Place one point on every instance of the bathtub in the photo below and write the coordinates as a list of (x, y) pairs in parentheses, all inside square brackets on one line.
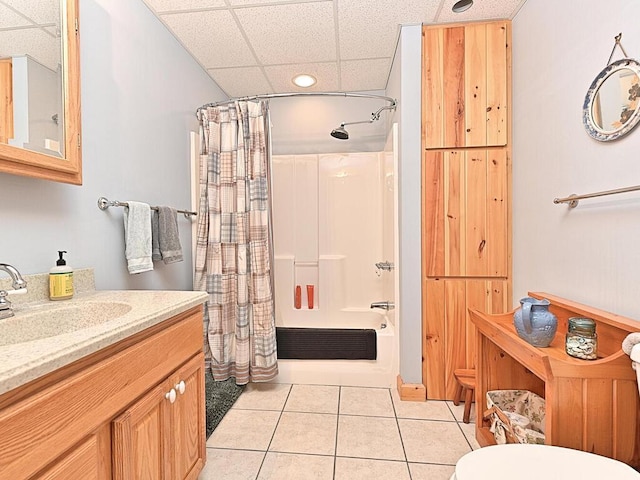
[(361, 373)]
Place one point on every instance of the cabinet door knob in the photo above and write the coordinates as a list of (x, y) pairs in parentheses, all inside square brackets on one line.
[(171, 395), (181, 387)]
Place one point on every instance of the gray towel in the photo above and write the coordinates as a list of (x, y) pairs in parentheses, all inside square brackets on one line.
[(168, 236), (155, 243), (137, 237)]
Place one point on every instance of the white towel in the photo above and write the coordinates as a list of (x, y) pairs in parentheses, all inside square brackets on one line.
[(630, 341), (137, 237)]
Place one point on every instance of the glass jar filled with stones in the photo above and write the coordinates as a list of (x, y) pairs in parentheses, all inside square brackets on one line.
[(582, 340)]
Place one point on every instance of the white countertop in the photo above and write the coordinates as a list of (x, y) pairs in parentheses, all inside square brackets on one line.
[(26, 361)]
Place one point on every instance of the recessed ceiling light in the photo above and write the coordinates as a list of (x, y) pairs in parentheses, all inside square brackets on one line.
[(304, 80), (462, 6)]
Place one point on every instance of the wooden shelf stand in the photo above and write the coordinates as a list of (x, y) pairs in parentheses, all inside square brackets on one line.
[(590, 405)]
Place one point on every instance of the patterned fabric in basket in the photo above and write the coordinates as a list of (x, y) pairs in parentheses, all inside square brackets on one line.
[(523, 418)]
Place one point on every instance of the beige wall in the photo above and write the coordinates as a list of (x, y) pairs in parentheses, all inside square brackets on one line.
[(590, 254)]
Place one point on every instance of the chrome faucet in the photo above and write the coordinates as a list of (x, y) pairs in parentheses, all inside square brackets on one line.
[(18, 284), (388, 266), (383, 305)]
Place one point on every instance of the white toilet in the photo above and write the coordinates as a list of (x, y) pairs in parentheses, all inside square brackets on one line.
[(536, 462)]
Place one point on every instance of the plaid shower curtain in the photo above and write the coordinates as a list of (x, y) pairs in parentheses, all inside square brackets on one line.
[(233, 254)]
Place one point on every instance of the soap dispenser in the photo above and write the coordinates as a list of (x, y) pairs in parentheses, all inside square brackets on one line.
[(61, 279)]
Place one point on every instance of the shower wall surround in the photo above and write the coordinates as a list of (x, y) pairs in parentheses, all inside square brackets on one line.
[(328, 231)]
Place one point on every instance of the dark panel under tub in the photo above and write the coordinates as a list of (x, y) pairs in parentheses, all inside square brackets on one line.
[(326, 343)]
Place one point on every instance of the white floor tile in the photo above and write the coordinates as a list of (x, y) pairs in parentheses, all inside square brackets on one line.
[(305, 433), (373, 402), (458, 411), (369, 437), (288, 466), (231, 464), (364, 469), (432, 442), (245, 429), (428, 410), (469, 430), (263, 396), (422, 471), (313, 399)]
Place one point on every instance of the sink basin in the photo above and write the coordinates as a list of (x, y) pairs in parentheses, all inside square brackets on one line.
[(49, 321)]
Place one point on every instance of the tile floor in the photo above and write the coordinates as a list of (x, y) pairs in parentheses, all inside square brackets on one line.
[(299, 432)]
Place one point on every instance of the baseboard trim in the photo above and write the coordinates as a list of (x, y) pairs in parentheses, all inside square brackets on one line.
[(412, 392)]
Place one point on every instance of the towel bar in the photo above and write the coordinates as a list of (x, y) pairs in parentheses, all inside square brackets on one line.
[(104, 203)]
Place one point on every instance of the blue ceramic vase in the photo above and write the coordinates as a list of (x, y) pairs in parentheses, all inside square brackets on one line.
[(534, 323)]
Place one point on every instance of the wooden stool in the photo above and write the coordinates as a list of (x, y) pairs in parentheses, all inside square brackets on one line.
[(466, 379)]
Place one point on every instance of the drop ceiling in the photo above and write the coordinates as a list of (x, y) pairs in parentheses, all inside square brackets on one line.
[(254, 47)]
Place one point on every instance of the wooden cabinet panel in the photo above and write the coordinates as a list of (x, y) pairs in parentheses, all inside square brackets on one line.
[(156, 439), (465, 213), (89, 460), (449, 337), (465, 78)]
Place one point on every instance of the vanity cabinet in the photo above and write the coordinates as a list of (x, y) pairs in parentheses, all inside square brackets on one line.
[(465, 78), (106, 415), (158, 436), (590, 405)]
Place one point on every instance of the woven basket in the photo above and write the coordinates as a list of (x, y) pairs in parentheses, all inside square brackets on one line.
[(517, 416)]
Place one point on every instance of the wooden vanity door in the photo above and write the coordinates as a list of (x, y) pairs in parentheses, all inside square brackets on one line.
[(141, 436)]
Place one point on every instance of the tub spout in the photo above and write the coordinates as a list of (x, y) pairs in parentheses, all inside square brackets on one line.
[(383, 305)]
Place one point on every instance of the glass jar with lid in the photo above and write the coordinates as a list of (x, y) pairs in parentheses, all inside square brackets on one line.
[(581, 340)]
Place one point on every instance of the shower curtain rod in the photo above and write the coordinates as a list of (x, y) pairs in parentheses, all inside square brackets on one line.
[(392, 101)]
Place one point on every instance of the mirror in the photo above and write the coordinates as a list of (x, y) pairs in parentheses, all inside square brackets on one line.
[(40, 89), (611, 107)]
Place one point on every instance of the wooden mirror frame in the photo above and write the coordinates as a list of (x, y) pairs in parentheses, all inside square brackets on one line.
[(68, 169), (590, 125)]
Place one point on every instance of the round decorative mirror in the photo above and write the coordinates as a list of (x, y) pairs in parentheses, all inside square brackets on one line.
[(612, 104)]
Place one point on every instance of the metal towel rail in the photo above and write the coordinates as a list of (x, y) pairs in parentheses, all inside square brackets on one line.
[(573, 199), (104, 203)]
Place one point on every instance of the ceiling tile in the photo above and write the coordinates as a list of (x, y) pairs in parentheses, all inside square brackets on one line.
[(241, 82), (326, 73), (368, 28), (263, 2), (481, 10), (182, 5), (9, 19), (292, 33), (212, 37), (39, 12), (364, 74), (34, 42)]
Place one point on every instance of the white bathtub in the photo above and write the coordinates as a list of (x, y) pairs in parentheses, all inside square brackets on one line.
[(361, 373)]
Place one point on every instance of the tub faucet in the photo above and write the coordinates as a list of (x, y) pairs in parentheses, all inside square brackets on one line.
[(383, 305), (18, 284)]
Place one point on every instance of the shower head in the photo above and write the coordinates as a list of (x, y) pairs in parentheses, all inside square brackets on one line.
[(340, 133)]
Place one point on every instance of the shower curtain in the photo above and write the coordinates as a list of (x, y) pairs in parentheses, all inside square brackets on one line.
[(233, 253)]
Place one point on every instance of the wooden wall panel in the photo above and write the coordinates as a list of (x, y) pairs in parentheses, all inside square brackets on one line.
[(432, 88), (475, 69), (454, 213), (625, 443), (433, 223), (476, 213), (433, 339), (497, 222), (597, 395), (453, 100), (498, 79), (455, 331)]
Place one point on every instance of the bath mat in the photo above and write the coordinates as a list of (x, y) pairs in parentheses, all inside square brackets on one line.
[(219, 398), (326, 343)]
